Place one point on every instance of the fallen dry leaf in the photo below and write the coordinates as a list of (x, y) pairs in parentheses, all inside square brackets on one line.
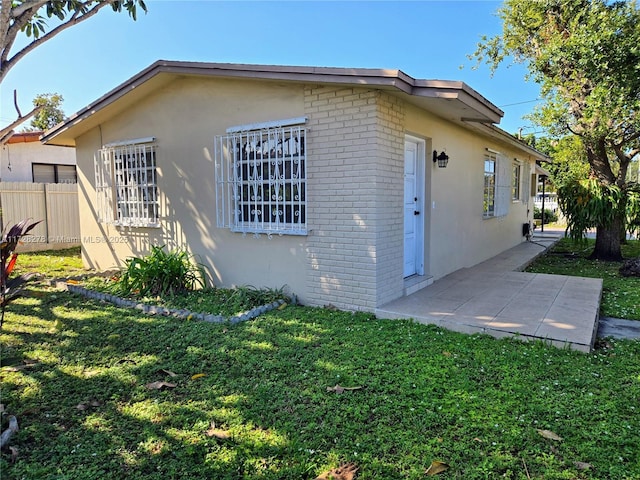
[(346, 471), (198, 375), (82, 407), (340, 389), (436, 467), (548, 434), (14, 454), (73, 282), (126, 360), (582, 465), (446, 354), (160, 385), (217, 433), (17, 368), (169, 372), (283, 306)]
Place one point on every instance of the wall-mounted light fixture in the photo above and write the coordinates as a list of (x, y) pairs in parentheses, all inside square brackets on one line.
[(442, 159)]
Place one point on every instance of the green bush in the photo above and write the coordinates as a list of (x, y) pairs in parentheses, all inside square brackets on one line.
[(549, 215), (161, 273)]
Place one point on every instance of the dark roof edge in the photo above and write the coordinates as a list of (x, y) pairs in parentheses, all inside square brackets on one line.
[(506, 137)]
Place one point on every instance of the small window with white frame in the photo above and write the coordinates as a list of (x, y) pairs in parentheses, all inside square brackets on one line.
[(261, 179), (489, 203), (497, 184), (515, 184), (126, 183)]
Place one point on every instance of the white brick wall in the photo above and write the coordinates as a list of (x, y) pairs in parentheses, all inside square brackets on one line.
[(355, 165)]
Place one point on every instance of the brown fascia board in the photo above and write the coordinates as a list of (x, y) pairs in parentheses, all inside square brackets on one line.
[(380, 78), (505, 137)]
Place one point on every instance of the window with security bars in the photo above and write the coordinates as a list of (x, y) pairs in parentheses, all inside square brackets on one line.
[(126, 185), (261, 180)]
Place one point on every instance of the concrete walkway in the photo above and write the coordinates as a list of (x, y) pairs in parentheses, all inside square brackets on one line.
[(495, 298)]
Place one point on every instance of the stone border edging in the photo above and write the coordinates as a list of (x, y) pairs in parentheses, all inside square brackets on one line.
[(169, 312)]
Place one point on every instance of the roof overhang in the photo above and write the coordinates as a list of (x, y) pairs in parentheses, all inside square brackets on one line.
[(25, 137), (505, 138), (451, 100), (541, 171)]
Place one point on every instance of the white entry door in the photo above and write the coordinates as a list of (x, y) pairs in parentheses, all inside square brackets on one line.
[(413, 202)]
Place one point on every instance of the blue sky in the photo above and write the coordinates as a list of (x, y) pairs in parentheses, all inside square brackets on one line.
[(425, 39)]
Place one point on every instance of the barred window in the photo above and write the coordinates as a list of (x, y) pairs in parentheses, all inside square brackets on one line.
[(126, 183), (261, 178)]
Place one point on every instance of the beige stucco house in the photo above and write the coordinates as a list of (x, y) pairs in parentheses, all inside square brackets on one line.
[(326, 180)]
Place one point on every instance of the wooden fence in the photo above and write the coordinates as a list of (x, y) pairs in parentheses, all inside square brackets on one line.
[(56, 204)]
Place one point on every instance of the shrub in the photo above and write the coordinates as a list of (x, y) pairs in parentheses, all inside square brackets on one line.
[(549, 215), (161, 273)]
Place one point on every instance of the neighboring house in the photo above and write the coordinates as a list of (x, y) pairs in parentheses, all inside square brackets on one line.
[(326, 180), (27, 171), (24, 159)]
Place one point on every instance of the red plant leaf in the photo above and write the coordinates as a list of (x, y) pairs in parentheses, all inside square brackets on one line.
[(12, 264)]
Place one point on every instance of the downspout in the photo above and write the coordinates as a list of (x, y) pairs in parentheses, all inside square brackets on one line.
[(544, 182)]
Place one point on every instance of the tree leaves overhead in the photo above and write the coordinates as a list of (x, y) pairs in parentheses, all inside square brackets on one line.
[(586, 56), (41, 20)]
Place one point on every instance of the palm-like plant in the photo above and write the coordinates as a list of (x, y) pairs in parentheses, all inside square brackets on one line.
[(10, 288)]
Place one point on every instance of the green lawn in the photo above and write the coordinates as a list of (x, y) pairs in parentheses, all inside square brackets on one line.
[(620, 295), (473, 402)]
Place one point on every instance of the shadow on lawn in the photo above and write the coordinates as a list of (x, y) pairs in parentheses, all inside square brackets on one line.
[(86, 411)]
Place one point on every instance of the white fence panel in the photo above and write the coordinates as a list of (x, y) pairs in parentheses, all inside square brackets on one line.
[(56, 204), (63, 217)]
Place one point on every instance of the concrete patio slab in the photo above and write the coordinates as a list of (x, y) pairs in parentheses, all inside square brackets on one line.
[(495, 297)]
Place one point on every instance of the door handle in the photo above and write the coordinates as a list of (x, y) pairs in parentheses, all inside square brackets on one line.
[(416, 212)]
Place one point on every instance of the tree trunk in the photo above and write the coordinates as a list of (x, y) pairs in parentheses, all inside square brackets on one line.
[(608, 245)]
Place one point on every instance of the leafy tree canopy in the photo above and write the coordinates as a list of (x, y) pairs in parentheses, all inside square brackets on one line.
[(51, 112), (585, 54)]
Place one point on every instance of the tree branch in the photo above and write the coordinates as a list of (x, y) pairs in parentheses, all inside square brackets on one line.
[(6, 435), (12, 32), (5, 17), (15, 102), (74, 20), (3, 133), (630, 138), (26, 5)]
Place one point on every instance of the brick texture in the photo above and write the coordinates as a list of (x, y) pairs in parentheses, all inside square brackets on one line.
[(355, 168)]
